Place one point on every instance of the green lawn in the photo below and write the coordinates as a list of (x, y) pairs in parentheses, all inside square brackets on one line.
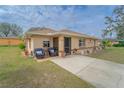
[(115, 54), (17, 71)]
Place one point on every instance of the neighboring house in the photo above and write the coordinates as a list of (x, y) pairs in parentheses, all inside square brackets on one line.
[(116, 41), (10, 41), (65, 41), (113, 41)]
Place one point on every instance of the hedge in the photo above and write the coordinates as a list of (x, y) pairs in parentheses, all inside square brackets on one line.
[(118, 45)]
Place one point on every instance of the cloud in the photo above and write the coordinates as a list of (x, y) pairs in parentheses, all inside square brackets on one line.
[(85, 19)]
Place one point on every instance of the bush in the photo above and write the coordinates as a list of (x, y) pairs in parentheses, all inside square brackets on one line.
[(118, 45), (121, 42), (107, 43), (22, 46)]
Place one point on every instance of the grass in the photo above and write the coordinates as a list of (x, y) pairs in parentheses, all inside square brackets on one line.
[(17, 71), (114, 54)]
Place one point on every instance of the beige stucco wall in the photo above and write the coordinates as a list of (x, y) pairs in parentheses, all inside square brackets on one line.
[(75, 42), (37, 41), (97, 42), (89, 42)]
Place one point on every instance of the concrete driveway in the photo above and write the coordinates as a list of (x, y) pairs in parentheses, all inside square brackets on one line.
[(100, 73)]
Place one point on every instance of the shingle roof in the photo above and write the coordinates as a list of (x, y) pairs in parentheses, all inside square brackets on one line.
[(40, 30), (51, 32), (76, 33)]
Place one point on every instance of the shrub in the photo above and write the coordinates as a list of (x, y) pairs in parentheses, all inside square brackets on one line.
[(121, 42), (107, 43), (118, 45), (22, 46)]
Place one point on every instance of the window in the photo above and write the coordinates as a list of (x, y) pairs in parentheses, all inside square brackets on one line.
[(81, 42), (46, 43)]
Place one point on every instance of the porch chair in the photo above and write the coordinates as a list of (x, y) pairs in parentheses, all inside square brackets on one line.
[(39, 53), (52, 52)]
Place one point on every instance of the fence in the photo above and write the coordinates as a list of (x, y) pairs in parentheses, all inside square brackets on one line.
[(10, 41)]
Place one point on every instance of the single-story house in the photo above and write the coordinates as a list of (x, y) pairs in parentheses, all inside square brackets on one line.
[(115, 41), (112, 40), (65, 41)]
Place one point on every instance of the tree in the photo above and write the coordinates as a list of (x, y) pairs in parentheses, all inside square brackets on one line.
[(115, 23), (7, 29), (16, 30)]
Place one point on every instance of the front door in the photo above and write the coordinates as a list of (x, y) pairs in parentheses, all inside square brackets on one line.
[(67, 45)]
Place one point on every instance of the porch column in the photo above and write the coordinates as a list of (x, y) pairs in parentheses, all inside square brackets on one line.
[(32, 46), (28, 45), (61, 46), (51, 41)]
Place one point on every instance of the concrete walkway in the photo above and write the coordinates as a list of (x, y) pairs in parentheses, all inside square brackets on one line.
[(100, 73)]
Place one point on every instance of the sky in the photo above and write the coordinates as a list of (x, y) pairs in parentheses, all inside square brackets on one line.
[(85, 19)]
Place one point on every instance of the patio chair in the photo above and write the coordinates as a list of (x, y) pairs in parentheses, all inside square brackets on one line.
[(52, 52), (39, 53)]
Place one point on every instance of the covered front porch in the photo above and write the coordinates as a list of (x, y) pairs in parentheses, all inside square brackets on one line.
[(62, 44)]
